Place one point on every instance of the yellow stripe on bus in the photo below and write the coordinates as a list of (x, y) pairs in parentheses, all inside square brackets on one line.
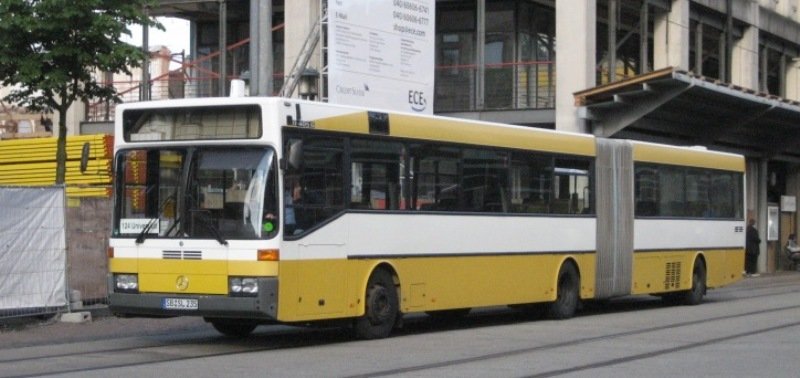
[(686, 157), (456, 131)]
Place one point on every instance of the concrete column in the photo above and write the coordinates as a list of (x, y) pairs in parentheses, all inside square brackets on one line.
[(744, 59), (762, 213), (793, 189), (300, 16), (576, 22), (792, 75), (671, 37)]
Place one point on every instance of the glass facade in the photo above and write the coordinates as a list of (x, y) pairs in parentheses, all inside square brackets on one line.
[(517, 65)]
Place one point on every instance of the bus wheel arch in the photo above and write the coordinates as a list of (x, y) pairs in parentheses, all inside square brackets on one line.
[(381, 304), (568, 285), (695, 294)]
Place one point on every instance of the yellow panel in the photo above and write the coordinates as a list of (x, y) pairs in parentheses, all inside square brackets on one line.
[(650, 269), (476, 133), (204, 276), (197, 283), (426, 283), (349, 123), (652, 153), (183, 266), (453, 130), (314, 289), (123, 265), (253, 268)]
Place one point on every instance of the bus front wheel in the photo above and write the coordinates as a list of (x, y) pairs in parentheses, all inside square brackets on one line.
[(567, 293), (233, 327), (381, 308)]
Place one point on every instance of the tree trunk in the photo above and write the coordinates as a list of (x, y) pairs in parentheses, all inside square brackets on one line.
[(61, 146)]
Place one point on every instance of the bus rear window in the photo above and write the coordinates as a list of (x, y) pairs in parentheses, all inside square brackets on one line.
[(192, 123)]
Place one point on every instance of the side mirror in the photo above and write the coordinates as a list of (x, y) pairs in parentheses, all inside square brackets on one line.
[(85, 156), (294, 154)]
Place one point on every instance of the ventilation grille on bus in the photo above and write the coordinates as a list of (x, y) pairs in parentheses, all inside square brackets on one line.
[(182, 255), (672, 278)]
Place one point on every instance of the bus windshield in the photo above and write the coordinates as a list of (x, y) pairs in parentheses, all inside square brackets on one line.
[(200, 193)]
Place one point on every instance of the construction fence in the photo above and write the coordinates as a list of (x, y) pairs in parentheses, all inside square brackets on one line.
[(52, 251), (53, 239)]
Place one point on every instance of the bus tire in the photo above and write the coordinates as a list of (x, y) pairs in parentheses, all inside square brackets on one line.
[(567, 293), (233, 327), (381, 308), (694, 296)]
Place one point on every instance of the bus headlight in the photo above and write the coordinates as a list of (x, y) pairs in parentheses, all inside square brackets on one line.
[(243, 286), (127, 283)]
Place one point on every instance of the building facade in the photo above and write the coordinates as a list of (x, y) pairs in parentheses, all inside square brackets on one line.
[(723, 74)]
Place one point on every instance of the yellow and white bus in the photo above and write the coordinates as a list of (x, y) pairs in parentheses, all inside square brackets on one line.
[(248, 211)]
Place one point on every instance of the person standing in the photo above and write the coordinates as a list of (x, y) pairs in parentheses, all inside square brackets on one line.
[(752, 248)]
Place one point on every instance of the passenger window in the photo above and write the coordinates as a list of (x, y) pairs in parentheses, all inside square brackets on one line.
[(376, 171), (485, 181), (313, 192), (673, 200), (531, 183), (571, 194), (435, 172), (697, 201), (646, 191)]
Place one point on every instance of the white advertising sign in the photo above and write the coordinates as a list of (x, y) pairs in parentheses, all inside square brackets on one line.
[(381, 54)]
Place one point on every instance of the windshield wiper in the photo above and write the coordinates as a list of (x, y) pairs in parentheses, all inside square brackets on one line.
[(204, 217), (142, 235)]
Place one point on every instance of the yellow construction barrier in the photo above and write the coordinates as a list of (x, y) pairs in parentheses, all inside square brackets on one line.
[(32, 162)]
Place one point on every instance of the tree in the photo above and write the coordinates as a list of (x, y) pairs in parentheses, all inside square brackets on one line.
[(50, 50)]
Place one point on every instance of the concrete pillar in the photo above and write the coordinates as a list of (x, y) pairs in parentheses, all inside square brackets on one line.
[(762, 214), (744, 59), (671, 37), (756, 199), (576, 22), (793, 189), (792, 75), (300, 16)]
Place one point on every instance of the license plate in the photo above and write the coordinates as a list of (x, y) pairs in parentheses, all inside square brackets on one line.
[(179, 304)]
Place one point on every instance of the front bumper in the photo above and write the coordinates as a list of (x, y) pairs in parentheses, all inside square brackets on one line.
[(264, 306)]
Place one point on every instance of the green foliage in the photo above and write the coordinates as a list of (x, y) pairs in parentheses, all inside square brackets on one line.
[(51, 48), (50, 51)]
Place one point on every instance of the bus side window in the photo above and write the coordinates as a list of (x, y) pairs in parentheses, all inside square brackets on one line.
[(320, 180), (376, 171)]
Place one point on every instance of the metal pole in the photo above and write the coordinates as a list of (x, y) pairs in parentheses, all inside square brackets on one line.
[(255, 36), (644, 33), (479, 55), (265, 55), (612, 41), (223, 44), (144, 87), (728, 40)]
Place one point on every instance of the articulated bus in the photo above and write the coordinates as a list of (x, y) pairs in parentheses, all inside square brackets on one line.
[(249, 211)]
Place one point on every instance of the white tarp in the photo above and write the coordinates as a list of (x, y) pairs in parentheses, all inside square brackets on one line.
[(32, 248), (381, 54)]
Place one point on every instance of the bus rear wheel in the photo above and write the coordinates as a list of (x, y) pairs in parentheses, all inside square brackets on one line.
[(695, 295), (567, 293), (381, 308), (233, 327)]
